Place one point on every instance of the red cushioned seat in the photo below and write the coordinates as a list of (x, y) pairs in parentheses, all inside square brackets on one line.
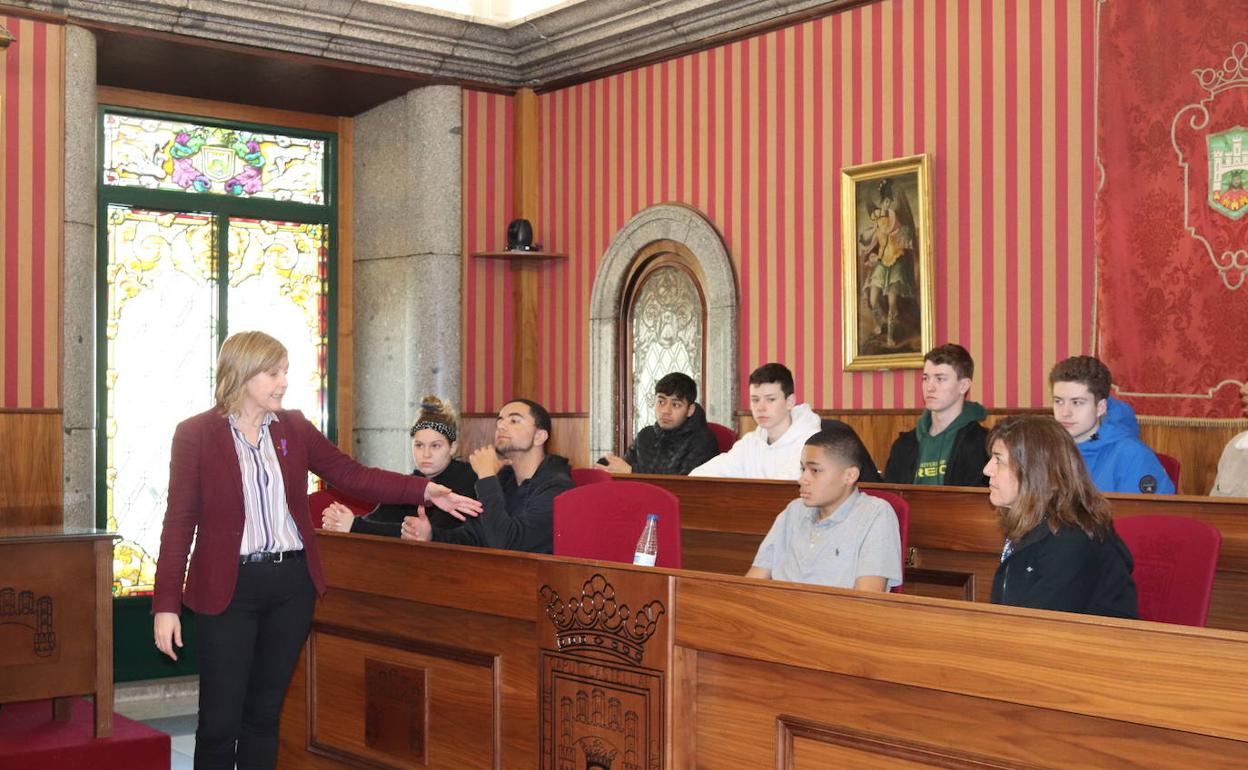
[(603, 521), (1175, 561)]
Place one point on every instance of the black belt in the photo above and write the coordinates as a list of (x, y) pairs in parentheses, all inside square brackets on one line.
[(269, 557)]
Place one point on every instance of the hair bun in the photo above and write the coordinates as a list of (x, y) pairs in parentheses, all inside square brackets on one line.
[(431, 404)]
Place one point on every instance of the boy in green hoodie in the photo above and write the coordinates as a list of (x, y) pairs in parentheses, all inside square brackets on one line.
[(947, 446)]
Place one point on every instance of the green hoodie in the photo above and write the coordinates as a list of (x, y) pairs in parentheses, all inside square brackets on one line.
[(934, 451)]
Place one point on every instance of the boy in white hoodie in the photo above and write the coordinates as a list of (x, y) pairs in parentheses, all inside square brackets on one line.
[(773, 450)]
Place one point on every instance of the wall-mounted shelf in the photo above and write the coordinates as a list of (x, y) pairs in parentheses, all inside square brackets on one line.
[(520, 255)]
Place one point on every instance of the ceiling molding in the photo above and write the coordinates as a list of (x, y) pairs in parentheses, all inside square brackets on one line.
[(560, 46)]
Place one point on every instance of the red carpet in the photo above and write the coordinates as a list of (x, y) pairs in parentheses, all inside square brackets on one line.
[(30, 740)]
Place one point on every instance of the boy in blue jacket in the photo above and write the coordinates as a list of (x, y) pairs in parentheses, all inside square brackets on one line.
[(1104, 429)]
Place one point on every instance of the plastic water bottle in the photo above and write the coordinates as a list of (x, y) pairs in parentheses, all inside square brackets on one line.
[(647, 551)]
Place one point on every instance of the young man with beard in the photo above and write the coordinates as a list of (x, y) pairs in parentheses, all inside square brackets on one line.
[(518, 497), (678, 441), (947, 445)]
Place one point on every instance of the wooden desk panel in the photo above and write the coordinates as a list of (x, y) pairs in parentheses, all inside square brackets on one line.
[(56, 619), (727, 672)]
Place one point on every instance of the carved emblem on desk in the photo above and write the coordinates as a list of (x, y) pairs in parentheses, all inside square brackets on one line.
[(595, 719), (22, 609), (597, 621)]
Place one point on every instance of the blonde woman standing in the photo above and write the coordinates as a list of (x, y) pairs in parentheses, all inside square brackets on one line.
[(238, 488)]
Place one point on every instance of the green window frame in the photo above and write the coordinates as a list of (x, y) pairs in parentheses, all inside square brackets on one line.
[(134, 655)]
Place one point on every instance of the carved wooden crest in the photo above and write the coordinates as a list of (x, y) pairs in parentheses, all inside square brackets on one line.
[(601, 710), (596, 620), (23, 609)]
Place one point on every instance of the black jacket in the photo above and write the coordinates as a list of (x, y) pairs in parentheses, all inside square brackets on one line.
[(1069, 572), (517, 517), (966, 460), (676, 451), (388, 519)]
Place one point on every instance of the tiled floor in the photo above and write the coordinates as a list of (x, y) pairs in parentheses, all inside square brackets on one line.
[(181, 731), (168, 705)]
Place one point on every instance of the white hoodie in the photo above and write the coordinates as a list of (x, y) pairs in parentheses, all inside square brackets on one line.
[(753, 458)]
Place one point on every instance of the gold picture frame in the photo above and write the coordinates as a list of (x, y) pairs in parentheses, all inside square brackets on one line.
[(886, 232)]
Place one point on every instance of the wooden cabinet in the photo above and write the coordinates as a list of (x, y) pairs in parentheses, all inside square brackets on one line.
[(56, 619)]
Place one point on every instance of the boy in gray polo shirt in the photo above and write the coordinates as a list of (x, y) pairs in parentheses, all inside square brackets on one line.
[(833, 535)]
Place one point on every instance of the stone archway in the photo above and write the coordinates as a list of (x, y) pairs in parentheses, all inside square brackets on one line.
[(687, 226)]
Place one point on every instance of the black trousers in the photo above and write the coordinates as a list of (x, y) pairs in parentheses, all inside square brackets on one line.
[(246, 657)]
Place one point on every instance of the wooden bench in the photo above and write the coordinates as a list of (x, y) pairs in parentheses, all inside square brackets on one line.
[(955, 544), (447, 657)]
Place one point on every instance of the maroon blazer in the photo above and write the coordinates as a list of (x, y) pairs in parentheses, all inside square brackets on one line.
[(206, 502)]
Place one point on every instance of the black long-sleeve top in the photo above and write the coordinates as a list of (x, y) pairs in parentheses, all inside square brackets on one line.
[(517, 517), (387, 520), (1068, 571)]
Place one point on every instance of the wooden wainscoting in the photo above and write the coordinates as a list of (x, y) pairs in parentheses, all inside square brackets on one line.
[(570, 435), (30, 476), (1197, 444)]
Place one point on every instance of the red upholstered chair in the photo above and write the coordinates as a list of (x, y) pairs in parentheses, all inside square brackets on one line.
[(724, 435), (1175, 561), (902, 509), (1172, 466), (319, 500), (583, 476), (603, 521)]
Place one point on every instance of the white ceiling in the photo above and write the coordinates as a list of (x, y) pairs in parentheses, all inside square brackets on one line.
[(499, 13)]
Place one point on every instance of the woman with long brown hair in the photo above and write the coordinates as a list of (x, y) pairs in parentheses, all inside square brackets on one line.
[(1061, 551)]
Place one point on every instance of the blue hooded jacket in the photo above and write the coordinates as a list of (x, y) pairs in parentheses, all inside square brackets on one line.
[(1116, 458)]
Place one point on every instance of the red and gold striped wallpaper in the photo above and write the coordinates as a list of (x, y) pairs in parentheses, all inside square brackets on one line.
[(31, 165), (488, 205), (754, 134)]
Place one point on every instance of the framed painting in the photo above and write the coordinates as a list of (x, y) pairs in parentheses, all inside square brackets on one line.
[(886, 226)]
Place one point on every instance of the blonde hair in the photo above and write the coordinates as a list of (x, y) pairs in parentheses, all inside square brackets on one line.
[(243, 356), (439, 415)]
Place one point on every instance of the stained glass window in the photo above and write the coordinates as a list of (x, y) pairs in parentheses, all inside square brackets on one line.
[(182, 156), (278, 283), (181, 270), (160, 327), (666, 336)]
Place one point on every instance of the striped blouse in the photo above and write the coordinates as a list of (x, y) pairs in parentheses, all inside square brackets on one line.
[(268, 524)]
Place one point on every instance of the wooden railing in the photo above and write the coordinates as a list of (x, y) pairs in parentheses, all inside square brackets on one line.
[(425, 655)]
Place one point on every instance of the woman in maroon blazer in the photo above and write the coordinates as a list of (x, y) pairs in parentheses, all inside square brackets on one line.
[(238, 486)]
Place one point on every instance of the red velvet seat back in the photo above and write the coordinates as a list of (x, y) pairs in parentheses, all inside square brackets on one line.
[(1175, 562), (1172, 466), (724, 435), (902, 509), (583, 476), (604, 521)]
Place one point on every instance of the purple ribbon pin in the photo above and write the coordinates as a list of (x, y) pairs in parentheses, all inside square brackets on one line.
[(283, 444)]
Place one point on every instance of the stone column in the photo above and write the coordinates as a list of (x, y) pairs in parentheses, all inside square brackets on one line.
[(407, 266), (78, 338)]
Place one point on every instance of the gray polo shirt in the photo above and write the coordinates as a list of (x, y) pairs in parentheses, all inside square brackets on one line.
[(859, 539)]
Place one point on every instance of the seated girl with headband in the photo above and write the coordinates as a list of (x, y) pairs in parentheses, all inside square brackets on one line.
[(433, 452)]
